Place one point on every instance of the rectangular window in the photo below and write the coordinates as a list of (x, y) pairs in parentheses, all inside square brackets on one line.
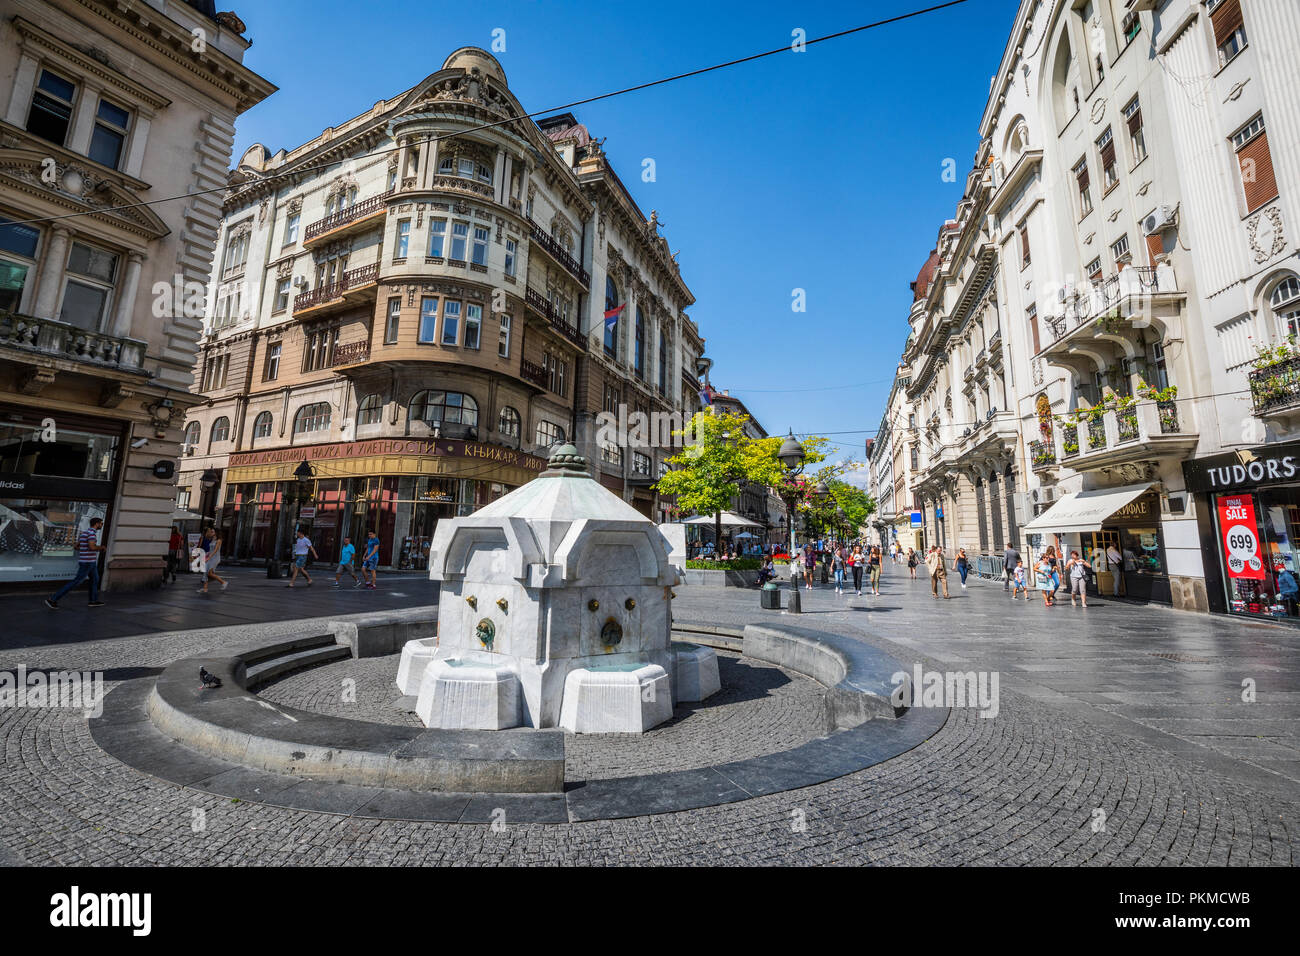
[(1119, 249), (272, 371), (459, 234), (465, 167), (1085, 193), (428, 318), (281, 295), (450, 323), (394, 320), (51, 112), (86, 292), (1024, 245), (236, 251), (503, 343), (1229, 28), (1136, 139), (916, 458), (473, 325), (1032, 318), (437, 236), (479, 254), (111, 125), (512, 249), (1258, 181), (291, 229), (556, 372), (1094, 269), (403, 238), (1109, 164), (17, 260)]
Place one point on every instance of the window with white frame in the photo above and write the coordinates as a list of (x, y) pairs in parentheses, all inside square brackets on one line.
[(428, 319), (291, 228), (183, 499), (549, 433), (473, 325), (503, 342), (478, 256), (508, 423), (450, 323), (459, 238), (1285, 303), (220, 430), (444, 408), (1109, 161), (282, 294), (437, 237), (236, 251), (312, 418), (272, 371), (88, 288), (557, 371), (108, 141), (512, 249), (394, 320), (262, 425), (641, 464), (1229, 28), (403, 238), (321, 346), (1119, 250), (1136, 137), (192, 435), (370, 410), (610, 453), (1085, 191), (50, 116), (18, 245)]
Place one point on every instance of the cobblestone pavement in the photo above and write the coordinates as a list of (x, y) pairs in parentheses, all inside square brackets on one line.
[(1101, 753), (761, 709)]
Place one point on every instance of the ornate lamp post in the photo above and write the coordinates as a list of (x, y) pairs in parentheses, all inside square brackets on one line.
[(792, 457), (296, 493), (208, 482)]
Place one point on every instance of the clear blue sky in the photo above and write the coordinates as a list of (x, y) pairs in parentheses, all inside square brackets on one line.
[(818, 170)]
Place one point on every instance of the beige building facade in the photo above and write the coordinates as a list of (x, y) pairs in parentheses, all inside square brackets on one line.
[(106, 106)]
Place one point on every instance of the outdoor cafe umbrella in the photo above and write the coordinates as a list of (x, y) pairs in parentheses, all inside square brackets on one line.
[(729, 519)]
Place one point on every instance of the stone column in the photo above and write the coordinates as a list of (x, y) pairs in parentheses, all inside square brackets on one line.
[(20, 100), (56, 261), (126, 300), (499, 184), (83, 118)]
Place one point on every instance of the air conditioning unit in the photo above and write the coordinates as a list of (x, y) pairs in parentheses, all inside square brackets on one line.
[(1161, 219), (299, 281)]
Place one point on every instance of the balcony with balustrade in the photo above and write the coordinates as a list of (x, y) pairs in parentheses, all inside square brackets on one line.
[(542, 307), (1275, 390), (1101, 321), (358, 286), (358, 217), (1140, 431), (551, 246), (43, 348)]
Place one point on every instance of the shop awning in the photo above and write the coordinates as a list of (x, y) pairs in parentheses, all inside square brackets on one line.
[(1084, 510)]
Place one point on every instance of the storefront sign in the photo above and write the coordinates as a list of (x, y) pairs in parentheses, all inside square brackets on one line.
[(431, 447), (17, 485), (1245, 468), (1240, 531)]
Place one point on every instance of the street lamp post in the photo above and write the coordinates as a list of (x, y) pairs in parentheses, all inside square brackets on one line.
[(792, 456), (208, 481), (298, 492)]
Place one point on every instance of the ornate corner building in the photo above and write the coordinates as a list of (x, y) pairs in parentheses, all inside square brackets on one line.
[(417, 304), (1101, 332), (107, 106)]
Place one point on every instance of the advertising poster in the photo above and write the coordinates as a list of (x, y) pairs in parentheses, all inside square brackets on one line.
[(1240, 531)]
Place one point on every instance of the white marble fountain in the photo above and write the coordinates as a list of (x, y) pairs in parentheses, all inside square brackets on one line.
[(555, 611)]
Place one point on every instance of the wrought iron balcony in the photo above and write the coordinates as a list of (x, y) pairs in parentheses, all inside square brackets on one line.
[(1042, 454), (1275, 388), (52, 338), (530, 372), (539, 304), (353, 353), (353, 281), (355, 214), (551, 246)]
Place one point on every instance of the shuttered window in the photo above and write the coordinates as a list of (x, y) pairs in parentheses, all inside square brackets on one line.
[(1109, 165), (1136, 139), (1033, 327), (1155, 247), (1229, 29), (1024, 245), (1085, 194), (1256, 164)]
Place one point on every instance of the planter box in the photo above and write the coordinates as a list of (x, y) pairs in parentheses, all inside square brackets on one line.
[(722, 579)]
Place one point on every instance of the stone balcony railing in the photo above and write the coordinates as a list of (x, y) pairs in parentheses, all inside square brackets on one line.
[(60, 340), (1093, 299)]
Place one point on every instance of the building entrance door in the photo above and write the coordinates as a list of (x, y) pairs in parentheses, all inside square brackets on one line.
[(1098, 545)]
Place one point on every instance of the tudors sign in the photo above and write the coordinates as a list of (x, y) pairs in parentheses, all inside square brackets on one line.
[(432, 447), (1245, 468)]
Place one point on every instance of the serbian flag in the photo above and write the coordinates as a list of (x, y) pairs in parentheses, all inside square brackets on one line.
[(706, 395), (611, 316)]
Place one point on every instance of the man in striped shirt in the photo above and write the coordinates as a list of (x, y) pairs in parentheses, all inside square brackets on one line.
[(88, 548)]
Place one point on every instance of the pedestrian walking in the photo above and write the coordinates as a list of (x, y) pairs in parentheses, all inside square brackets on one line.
[(961, 566), (88, 550), (175, 548), (1043, 576), (857, 564), (1018, 580), (938, 573), (873, 570), (370, 561), (1010, 560), (345, 564), (810, 566), (211, 559), (911, 563), (1056, 571), (1115, 560), (1077, 570), (837, 567), (301, 548)]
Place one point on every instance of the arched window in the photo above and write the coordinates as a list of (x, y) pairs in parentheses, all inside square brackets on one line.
[(220, 430), (312, 418), (611, 322), (370, 410), (549, 433), (508, 424), (192, 431), (1285, 302), (638, 355), (663, 362), (444, 408), (262, 425)]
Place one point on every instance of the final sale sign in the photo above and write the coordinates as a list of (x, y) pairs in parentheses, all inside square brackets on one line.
[(1240, 537)]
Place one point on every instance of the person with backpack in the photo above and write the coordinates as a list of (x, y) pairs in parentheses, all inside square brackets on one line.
[(88, 551)]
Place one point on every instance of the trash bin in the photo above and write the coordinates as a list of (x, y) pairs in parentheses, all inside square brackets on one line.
[(770, 597)]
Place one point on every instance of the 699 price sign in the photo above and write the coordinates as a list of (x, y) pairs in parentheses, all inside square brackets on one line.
[(1240, 537)]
